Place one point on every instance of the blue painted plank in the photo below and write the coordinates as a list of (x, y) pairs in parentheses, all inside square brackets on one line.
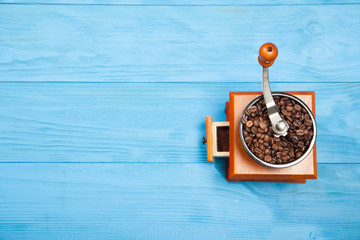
[(177, 44), (173, 201), (138, 122), (179, 2)]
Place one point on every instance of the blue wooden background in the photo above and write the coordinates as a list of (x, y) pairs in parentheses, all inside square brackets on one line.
[(103, 105)]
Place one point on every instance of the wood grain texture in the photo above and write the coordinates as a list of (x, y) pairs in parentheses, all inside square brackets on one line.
[(179, 2), (173, 201), (124, 122), (82, 157), (177, 44)]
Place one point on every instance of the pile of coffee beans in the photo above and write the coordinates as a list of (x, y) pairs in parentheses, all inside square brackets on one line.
[(259, 135)]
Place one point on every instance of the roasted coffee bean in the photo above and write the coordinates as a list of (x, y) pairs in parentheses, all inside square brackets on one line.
[(290, 118), (300, 132), (267, 138), (267, 151), (296, 123), (302, 117), (284, 112), (294, 139), (260, 130), (292, 154), (244, 120), (276, 139), (258, 150), (267, 158), (297, 107), (289, 108), (263, 124), (249, 123), (308, 122), (284, 153), (259, 136), (273, 153), (254, 130), (259, 107), (253, 108), (262, 147)]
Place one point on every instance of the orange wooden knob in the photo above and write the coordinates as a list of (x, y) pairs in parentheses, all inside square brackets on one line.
[(267, 54)]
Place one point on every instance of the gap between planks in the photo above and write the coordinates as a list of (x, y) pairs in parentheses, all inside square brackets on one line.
[(181, 5), (176, 82)]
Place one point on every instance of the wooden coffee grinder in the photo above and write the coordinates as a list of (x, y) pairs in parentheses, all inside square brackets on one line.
[(225, 140)]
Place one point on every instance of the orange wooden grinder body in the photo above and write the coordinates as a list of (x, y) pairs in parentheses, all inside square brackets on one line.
[(240, 166)]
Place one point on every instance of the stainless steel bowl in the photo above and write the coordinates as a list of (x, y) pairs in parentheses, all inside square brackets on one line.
[(262, 162)]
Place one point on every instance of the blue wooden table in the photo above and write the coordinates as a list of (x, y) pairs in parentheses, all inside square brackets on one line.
[(103, 105)]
